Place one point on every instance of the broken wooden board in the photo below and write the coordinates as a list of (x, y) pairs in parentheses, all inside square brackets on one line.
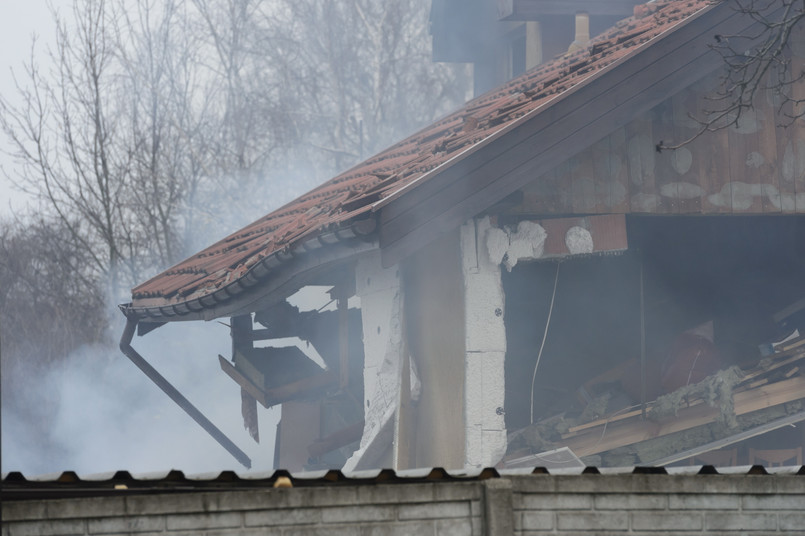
[(611, 436)]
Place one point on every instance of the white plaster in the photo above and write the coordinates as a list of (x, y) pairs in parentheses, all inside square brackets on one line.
[(415, 382), (681, 160), (579, 240), (494, 384), (681, 190), (528, 242), (645, 202), (497, 242), (483, 250), (755, 160), (381, 317), (495, 443), (484, 312), (740, 195)]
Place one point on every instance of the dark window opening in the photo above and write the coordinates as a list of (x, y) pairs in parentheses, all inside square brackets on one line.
[(715, 289)]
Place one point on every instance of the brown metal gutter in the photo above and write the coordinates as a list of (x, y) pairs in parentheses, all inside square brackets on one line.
[(176, 396)]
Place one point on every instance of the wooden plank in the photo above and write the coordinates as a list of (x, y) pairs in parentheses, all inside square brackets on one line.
[(788, 420), (247, 368), (618, 171), (622, 434), (582, 182), (602, 175), (682, 159), (747, 184), (665, 177), (797, 134), (762, 160), (244, 382)]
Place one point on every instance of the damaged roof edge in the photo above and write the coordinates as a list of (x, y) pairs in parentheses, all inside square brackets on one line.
[(276, 273)]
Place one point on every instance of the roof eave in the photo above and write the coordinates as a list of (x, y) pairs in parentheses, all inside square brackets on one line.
[(272, 278)]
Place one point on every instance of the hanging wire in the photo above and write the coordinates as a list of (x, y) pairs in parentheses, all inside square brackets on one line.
[(544, 336)]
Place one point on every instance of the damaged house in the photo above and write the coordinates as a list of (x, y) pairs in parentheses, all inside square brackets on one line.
[(533, 280)]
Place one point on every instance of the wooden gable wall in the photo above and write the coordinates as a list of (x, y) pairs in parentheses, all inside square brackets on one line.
[(757, 167)]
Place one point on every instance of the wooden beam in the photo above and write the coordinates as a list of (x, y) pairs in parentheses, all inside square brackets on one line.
[(244, 382), (610, 436)]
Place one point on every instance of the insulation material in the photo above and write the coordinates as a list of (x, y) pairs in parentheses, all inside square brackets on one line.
[(381, 314), (557, 237), (485, 342)]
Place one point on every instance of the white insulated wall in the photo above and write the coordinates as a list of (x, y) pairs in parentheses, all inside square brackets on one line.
[(485, 343), (381, 314)]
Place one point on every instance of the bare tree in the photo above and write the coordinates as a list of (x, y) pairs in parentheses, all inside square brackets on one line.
[(756, 63)]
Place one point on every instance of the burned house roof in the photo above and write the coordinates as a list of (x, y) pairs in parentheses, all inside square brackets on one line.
[(351, 205)]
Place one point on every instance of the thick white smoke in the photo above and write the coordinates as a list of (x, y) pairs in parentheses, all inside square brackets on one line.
[(111, 417)]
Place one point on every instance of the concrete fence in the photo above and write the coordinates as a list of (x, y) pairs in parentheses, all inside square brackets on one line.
[(521, 505)]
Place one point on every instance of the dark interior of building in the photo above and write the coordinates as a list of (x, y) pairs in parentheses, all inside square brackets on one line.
[(731, 275)]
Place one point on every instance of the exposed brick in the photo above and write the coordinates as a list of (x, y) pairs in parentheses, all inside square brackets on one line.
[(734, 521), (434, 510), (792, 521), (454, 527), (420, 528), (536, 520), (676, 522), (46, 528), (291, 516), (352, 514), (593, 521), (205, 521), (621, 501), (24, 510), (541, 501), (704, 502), (774, 502), (115, 525)]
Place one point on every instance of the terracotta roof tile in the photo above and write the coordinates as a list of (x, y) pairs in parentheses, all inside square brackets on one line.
[(351, 194)]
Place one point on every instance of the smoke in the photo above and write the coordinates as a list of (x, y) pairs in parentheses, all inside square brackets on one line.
[(109, 416)]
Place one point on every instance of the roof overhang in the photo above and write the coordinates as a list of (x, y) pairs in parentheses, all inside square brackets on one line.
[(271, 279)]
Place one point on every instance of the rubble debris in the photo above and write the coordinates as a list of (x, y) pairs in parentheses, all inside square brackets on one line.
[(715, 390)]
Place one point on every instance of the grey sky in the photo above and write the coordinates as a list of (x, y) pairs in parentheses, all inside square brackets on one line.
[(20, 20)]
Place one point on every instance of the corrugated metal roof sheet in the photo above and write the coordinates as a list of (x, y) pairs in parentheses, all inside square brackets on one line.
[(357, 193), (15, 486)]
